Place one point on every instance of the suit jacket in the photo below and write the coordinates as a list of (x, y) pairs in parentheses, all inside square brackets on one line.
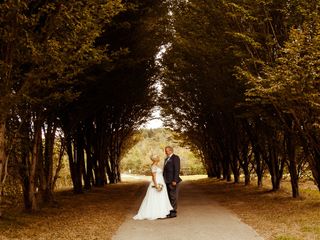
[(171, 170)]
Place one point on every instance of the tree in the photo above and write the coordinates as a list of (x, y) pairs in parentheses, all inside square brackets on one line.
[(215, 84), (45, 46), (121, 94), (291, 87)]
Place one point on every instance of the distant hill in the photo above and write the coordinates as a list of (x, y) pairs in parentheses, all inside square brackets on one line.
[(153, 141)]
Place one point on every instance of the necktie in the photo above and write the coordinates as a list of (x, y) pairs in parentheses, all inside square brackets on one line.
[(167, 159)]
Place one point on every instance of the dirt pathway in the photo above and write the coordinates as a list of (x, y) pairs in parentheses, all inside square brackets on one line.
[(199, 217)]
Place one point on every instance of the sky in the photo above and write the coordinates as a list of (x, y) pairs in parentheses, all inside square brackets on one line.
[(155, 122)]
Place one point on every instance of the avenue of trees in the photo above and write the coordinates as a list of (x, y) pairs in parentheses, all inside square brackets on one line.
[(239, 83), (74, 74), (242, 79)]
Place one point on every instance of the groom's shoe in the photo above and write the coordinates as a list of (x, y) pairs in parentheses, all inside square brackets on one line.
[(172, 215)]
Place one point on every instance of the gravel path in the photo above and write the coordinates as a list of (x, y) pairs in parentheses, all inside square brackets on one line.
[(199, 217)]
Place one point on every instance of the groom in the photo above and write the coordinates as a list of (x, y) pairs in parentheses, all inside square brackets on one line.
[(171, 171)]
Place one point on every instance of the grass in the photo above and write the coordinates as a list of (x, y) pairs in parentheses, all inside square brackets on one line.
[(286, 238), (93, 215), (275, 215)]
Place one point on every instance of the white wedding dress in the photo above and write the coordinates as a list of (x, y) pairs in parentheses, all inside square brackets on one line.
[(155, 204)]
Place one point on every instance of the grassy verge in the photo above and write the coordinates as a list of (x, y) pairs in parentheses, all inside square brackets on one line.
[(275, 215), (93, 215)]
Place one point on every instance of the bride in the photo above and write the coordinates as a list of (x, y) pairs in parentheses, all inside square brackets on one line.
[(156, 203)]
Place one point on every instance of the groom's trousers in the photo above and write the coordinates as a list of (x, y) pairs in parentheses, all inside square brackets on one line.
[(173, 193)]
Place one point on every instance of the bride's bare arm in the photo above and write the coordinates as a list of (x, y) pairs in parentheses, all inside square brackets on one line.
[(154, 179)]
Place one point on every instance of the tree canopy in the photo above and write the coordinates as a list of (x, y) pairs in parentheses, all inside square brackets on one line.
[(239, 85)]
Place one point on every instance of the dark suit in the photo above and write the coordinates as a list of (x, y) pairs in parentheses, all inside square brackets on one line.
[(171, 172)]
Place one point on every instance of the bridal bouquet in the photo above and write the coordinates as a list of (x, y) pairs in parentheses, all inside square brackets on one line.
[(159, 187)]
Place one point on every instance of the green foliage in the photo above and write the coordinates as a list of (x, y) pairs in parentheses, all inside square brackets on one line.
[(153, 141), (312, 229), (290, 86), (46, 45), (285, 238), (236, 75), (12, 189), (294, 77), (240, 84)]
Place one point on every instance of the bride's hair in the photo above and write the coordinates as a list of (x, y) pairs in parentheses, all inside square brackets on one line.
[(155, 157)]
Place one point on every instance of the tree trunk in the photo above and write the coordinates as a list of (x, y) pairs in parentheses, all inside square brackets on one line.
[(88, 177), (81, 171), (3, 162), (226, 168), (88, 181), (209, 167), (100, 178), (25, 192), (272, 170), (218, 169), (48, 160), (78, 159), (100, 149), (77, 186), (117, 159), (46, 163), (59, 165), (118, 172), (235, 168), (244, 162), (247, 179), (32, 195), (211, 161), (259, 168), (293, 166), (110, 170), (315, 161), (24, 175), (209, 170), (316, 167), (293, 172), (275, 167)]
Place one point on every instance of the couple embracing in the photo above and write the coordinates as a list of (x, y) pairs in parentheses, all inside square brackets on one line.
[(161, 198)]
